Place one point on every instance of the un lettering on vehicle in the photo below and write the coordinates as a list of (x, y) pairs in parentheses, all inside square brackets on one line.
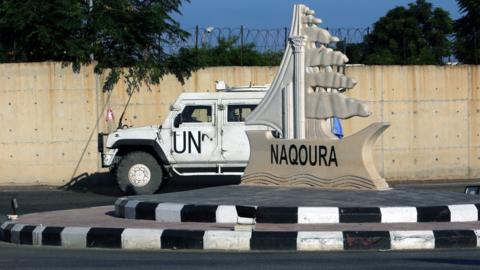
[(191, 143)]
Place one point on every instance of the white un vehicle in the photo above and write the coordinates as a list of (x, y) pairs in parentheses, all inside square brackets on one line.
[(204, 134)]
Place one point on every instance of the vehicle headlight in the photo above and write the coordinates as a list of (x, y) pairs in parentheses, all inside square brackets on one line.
[(108, 156)]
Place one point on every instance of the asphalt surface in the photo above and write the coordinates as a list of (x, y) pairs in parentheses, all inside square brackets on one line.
[(27, 257), (47, 199), (41, 199)]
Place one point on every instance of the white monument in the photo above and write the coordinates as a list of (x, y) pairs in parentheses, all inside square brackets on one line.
[(306, 93)]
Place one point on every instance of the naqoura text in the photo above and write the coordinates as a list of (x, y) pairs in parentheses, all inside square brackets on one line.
[(303, 155)]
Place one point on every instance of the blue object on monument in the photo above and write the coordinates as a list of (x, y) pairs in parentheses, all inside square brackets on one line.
[(337, 128)]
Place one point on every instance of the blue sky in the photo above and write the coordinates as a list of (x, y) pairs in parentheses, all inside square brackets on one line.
[(267, 14)]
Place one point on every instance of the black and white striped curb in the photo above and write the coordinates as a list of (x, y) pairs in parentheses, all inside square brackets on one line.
[(83, 237), (177, 212)]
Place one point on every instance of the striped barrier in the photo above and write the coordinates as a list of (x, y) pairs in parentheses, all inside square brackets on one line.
[(176, 212), (126, 238)]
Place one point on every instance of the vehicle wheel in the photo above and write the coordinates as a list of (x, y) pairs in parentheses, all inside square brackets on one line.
[(139, 173)]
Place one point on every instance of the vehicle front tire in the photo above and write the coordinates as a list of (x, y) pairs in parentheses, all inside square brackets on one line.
[(139, 173)]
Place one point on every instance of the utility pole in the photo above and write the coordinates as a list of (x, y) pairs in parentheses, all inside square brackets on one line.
[(241, 45), (475, 47)]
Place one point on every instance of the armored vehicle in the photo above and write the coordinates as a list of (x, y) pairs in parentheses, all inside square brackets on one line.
[(203, 134)]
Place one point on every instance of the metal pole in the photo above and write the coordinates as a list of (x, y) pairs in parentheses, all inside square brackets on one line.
[(475, 47), (364, 47), (404, 49), (196, 44), (286, 36), (241, 45), (196, 37), (90, 8)]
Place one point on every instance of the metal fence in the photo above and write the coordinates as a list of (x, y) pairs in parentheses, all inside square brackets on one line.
[(275, 40), (272, 40)]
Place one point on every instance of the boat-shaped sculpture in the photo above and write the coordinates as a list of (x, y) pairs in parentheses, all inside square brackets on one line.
[(305, 95)]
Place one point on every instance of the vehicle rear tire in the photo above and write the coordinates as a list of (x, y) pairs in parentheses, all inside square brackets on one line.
[(139, 173)]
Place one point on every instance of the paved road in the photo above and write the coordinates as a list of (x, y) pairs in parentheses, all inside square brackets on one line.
[(34, 200), (12, 257), (40, 199), (48, 199)]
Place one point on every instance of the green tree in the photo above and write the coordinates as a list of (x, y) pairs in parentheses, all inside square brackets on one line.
[(32, 31), (125, 38), (467, 32), (354, 51), (415, 35), (228, 53)]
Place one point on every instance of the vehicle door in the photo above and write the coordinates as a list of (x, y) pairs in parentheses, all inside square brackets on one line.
[(194, 133), (235, 145)]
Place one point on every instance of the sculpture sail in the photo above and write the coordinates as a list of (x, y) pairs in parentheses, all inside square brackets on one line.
[(278, 110), (271, 111)]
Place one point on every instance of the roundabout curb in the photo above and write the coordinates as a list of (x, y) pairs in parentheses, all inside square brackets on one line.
[(178, 212), (128, 238)]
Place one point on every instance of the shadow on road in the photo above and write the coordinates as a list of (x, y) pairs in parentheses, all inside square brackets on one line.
[(182, 183), (104, 184), (100, 183)]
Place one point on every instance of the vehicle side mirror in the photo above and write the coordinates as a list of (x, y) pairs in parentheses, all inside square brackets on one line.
[(178, 120)]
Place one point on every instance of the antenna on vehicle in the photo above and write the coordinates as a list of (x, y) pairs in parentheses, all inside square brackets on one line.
[(120, 124)]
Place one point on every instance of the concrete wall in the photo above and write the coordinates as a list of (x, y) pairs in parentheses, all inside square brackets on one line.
[(49, 117), (434, 113)]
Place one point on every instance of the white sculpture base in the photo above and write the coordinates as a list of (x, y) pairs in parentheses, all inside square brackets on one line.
[(323, 163)]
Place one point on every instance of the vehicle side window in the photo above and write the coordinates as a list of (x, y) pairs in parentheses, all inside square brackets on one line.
[(197, 114), (238, 113)]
